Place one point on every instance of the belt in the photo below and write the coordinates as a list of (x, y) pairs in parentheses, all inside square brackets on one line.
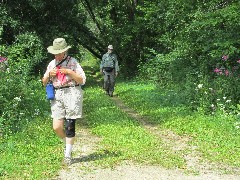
[(62, 87)]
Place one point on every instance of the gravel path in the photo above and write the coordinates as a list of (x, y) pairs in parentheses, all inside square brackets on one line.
[(86, 145)]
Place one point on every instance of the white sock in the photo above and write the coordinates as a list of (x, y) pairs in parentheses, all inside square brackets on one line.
[(68, 151)]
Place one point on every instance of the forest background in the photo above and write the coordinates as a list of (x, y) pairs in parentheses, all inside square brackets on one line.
[(192, 45)]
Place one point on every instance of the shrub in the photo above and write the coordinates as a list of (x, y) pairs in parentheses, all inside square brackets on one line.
[(22, 96)]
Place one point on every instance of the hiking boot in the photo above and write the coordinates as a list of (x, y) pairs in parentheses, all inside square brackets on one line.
[(111, 94), (67, 161)]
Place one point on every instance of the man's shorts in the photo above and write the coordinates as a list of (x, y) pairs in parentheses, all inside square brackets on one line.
[(67, 103)]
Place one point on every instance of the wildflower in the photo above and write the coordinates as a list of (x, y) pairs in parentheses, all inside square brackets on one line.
[(218, 99), (212, 105), (200, 86), (237, 125), (220, 72), (225, 57), (17, 99), (224, 98), (226, 72), (238, 61), (216, 70), (228, 101), (2, 59), (36, 112)]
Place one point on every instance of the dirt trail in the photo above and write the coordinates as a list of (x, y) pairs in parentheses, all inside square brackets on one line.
[(85, 154)]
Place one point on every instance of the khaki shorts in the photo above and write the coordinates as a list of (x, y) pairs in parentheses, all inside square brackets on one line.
[(67, 103)]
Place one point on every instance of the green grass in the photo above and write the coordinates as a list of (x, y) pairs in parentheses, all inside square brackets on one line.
[(123, 137), (33, 153), (149, 100), (36, 153), (215, 136)]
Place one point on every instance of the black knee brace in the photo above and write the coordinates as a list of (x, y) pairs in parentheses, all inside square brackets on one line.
[(70, 127)]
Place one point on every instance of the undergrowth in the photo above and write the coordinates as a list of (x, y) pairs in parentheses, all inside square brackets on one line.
[(216, 136), (36, 153), (33, 153)]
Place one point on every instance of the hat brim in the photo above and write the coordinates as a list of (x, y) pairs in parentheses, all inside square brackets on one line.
[(54, 51)]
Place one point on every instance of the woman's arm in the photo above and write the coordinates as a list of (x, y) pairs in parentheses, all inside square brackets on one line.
[(49, 75)]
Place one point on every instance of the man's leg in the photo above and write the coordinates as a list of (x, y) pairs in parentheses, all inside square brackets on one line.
[(106, 85), (58, 126), (70, 136), (112, 84)]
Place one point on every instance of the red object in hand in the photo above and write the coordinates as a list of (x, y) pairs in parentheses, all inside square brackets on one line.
[(60, 76)]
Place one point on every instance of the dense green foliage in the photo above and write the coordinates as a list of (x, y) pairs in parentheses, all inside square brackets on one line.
[(191, 46), (201, 48), (21, 97), (194, 34)]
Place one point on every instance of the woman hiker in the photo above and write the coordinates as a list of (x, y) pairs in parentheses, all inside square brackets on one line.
[(67, 76)]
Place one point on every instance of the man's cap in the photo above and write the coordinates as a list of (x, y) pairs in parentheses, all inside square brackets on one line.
[(110, 46)]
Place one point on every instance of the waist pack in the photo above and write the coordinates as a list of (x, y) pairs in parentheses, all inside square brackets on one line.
[(50, 91), (108, 69)]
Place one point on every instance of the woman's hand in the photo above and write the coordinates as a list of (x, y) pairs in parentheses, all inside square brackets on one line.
[(72, 74), (65, 71), (53, 73)]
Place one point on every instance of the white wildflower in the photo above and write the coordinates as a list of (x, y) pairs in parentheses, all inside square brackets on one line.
[(228, 101), (224, 98), (237, 125), (200, 86), (17, 99)]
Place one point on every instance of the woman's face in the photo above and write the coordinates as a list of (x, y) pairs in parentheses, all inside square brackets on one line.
[(60, 56)]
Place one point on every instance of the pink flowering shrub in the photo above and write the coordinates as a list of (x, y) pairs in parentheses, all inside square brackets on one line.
[(227, 66), (2, 59), (226, 82), (3, 63)]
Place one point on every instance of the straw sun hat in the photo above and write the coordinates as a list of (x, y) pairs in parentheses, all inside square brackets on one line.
[(59, 46)]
